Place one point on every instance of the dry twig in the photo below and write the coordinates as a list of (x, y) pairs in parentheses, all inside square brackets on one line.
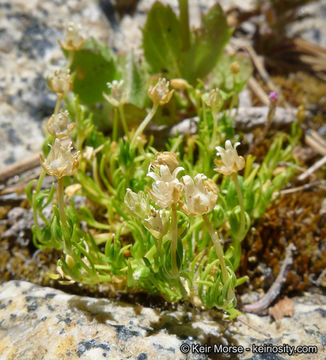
[(19, 167), (315, 141), (302, 188), (274, 290), (317, 165)]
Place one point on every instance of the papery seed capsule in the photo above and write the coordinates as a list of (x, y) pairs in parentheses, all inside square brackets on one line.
[(60, 161), (159, 93), (61, 82), (58, 125), (73, 40)]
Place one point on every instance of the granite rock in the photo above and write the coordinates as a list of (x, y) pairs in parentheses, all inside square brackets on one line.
[(29, 52), (44, 323), (245, 119), (312, 28)]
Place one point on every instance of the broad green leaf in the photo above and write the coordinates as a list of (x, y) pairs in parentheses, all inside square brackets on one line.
[(163, 45), (135, 80), (93, 66), (162, 40), (207, 45)]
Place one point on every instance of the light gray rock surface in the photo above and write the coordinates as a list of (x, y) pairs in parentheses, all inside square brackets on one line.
[(312, 28), (46, 324), (245, 119), (29, 52)]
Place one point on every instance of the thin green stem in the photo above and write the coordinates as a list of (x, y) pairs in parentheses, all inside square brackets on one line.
[(63, 218), (95, 172), (174, 241), (123, 120), (204, 114), (115, 125), (151, 252), (35, 210), (241, 203), (104, 278), (143, 125), (40, 182), (57, 105), (37, 226), (176, 144), (218, 248), (215, 123)]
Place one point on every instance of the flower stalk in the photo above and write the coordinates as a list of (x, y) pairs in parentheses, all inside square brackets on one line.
[(115, 125), (63, 218), (123, 120), (160, 95), (174, 242), (143, 125), (241, 203), (218, 247)]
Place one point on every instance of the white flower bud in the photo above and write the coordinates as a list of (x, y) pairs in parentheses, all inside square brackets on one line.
[(180, 84), (158, 222), (138, 204)]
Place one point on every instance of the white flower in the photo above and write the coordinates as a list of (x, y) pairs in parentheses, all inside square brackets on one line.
[(60, 162), (159, 93), (199, 199), (58, 125), (138, 204), (158, 222), (61, 82), (230, 162), (166, 189), (119, 95), (73, 39)]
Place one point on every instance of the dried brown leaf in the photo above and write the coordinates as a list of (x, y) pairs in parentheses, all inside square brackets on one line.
[(284, 307)]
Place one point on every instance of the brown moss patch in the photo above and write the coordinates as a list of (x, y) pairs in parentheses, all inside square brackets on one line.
[(293, 218)]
